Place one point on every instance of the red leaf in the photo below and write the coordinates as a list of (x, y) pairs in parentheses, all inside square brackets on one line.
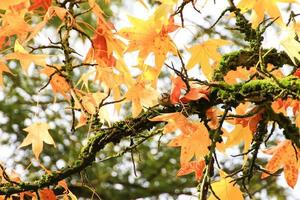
[(40, 4), (47, 194)]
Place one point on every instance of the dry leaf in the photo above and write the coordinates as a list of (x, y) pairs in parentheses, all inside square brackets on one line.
[(37, 134)]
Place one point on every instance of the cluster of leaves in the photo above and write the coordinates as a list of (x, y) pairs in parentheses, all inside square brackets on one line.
[(245, 89)]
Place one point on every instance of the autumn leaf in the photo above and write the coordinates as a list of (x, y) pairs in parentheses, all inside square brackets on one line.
[(254, 116), (193, 166), (260, 7), (237, 136), (5, 5), (175, 121), (57, 82), (203, 53), (104, 44), (290, 45), (37, 134), (47, 194), (151, 35), (45, 4), (13, 23), (225, 189), (52, 11), (196, 91), (193, 140), (67, 193), (177, 85), (240, 74), (141, 94), (26, 58), (90, 103), (3, 68), (284, 155)]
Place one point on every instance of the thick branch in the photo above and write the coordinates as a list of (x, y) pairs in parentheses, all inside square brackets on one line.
[(232, 95)]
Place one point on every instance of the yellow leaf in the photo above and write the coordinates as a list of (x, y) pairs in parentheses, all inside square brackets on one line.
[(151, 36), (290, 45), (225, 189), (6, 4), (141, 94), (26, 58), (37, 134), (203, 53), (260, 7), (238, 135)]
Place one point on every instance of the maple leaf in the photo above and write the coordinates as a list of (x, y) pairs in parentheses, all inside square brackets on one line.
[(37, 134), (57, 82), (251, 121), (25, 58), (47, 194), (193, 166), (45, 4), (67, 193), (13, 23), (177, 85), (52, 11), (239, 74), (175, 121), (238, 135), (290, 45), (90, 103), (141, 94), (225, 189), (5, 5), (196, 91), (151, 35), (193, 140), (203, 53), (104, 43), (284, 155), (260, 7), (3, 68)]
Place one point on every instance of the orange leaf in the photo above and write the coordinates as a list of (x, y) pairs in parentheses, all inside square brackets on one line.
[(177, 85), (47, 194), (193, 166), (141, 94), (175, 121), (57, 82), (3, 68), (260, 7), (284, 155), (26, 58), (193, 140), (196, 91)]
